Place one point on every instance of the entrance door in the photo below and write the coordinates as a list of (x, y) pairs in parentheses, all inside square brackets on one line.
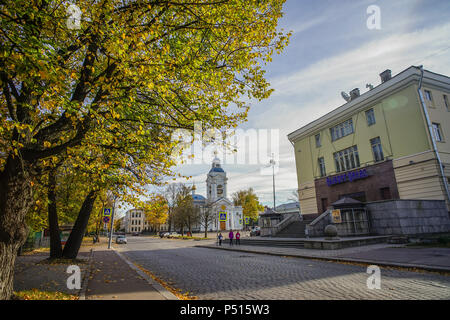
[(223, 225)]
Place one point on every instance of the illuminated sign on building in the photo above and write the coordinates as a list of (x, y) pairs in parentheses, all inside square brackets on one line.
[(348, 176)]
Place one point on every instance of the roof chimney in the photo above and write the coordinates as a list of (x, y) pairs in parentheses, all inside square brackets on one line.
[(385, 76), (354, 93)]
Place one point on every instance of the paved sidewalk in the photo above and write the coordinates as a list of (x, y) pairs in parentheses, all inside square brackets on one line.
[(394, 255), (115, 278), (31, 271)]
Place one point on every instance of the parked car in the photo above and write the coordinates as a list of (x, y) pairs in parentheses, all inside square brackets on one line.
[(255, 231), (121, 239), (135, 234), (174, 235)]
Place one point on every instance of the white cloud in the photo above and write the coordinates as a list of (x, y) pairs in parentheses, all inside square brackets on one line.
[(304, 95)]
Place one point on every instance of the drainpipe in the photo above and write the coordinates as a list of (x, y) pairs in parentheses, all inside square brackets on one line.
[(430, 129)]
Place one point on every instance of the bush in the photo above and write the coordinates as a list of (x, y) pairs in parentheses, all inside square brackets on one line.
[(443, 240)]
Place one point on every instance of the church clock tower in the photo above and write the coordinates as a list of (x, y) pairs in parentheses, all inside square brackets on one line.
[(216, 182)]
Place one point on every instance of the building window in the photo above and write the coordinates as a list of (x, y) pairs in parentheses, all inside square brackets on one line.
[(377, 149), (370, 116), (322, 169), (341, 130), (385, 193), (428, 95), (318, 142), (447, 105), (437, 132), (346, 159)]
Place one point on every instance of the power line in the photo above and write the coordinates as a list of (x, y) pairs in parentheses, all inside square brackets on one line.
[(432, 55)]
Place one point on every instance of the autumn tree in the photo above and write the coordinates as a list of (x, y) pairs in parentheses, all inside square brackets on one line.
[(156, 210), (207, 214), (131, 73), (249, 202), (185, 214), (170, 195)]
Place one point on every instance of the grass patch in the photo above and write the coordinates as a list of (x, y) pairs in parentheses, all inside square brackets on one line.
[(428, 245), (441, 242), (35, 294), (189, 238), (34, 251)]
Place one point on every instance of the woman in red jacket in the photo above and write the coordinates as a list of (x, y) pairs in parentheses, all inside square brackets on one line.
[(238, 238)]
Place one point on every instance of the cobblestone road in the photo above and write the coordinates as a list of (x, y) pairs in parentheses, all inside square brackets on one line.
[(220, 274)]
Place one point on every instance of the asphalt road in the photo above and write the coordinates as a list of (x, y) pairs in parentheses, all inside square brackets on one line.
[(221, 274)]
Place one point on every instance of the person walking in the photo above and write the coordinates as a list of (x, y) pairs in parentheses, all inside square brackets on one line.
[(220, 237), (231, 236), (238, 238)]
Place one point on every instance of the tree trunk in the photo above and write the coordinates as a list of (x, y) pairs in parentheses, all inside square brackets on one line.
[(169, 220), (15, 201), (73, 244), (55, 238)]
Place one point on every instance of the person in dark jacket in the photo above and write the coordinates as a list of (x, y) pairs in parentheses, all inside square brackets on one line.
[(220, 238), (231, 236)]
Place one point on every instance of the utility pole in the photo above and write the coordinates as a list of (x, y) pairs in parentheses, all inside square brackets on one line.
[(272, 163), (111, 229)]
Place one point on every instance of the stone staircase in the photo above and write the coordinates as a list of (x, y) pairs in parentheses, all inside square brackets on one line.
[(272, 242), (295, 230)]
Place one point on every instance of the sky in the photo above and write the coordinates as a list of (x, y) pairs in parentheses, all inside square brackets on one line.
[(331, 50)]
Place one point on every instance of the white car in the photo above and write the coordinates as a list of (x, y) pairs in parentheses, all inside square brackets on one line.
[(174, 234), (121, 239)]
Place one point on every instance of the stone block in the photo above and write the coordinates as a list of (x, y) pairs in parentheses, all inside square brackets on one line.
[(402, 204)]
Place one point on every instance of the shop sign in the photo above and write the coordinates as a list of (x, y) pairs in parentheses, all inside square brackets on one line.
[(348, 176)]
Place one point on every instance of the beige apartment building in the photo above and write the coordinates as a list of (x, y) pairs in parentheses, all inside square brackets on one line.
[(379, 145)]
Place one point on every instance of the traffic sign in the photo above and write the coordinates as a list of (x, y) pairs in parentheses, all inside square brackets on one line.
[(247, 220), (107, 212), (105, 219), (222, 216)]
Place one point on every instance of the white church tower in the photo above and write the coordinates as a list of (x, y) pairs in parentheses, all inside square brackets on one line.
[(216, 182)]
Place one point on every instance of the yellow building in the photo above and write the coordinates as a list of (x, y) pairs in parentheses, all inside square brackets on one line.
[(378, 145)]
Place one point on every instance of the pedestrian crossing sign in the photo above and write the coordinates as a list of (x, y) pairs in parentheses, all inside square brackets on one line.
[(222, 216), (107, 212), (247, 220)]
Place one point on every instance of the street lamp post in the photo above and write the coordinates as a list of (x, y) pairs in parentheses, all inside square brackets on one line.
[(272, 163)]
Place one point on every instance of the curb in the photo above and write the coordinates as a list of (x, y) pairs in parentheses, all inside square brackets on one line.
[(163, 291), (350, 260), (84, 286)]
